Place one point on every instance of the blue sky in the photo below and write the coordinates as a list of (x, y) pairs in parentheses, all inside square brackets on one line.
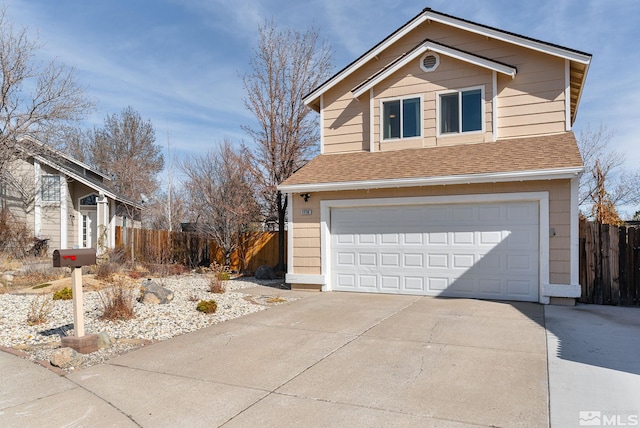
[(178, 62)]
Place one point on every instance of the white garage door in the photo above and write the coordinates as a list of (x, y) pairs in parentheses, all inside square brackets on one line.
[(485, 251)]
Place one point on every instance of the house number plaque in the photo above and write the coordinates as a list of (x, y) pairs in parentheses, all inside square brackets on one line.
[(305, 212)]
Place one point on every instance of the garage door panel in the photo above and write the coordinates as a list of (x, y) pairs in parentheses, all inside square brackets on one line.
[(390, 260), (437, 284), (435, 261), (463, 238), (414, 283), (367, 259), (463, 261), (389, 238), (346, 259), (366, 238), (369, 281), (413, 261), (390, 282), (413, 239), (467, 250), (346, 281), (491, 238)]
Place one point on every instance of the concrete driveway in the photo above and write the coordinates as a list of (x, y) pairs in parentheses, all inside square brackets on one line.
[(327, 359)]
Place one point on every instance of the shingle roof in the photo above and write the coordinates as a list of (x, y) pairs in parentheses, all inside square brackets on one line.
[(551, 152)]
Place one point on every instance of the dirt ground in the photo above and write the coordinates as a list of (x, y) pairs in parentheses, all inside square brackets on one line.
[(89, 283)]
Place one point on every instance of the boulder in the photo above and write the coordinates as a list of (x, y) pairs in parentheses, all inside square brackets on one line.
[(154, 293), (265, 272), (104, 341), (8, 276), (66, 358)]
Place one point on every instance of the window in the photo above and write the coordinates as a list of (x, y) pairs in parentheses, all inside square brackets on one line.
[(401, 118), (51, 188), (461, 111), (89, 200)]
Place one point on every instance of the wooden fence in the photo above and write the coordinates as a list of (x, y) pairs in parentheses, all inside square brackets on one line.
[(609, 264), (192, 249)]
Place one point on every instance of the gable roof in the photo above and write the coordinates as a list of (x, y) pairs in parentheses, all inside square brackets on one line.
[(579, 61), (429, 45), (536, 158), (72, 167)]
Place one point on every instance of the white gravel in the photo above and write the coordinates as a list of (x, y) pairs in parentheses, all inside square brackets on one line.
[(152, 322)]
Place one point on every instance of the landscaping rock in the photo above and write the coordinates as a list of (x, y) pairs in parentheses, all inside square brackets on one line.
[(8, 276), (154, 293), (66, 358), (265, 272), (104, 340)]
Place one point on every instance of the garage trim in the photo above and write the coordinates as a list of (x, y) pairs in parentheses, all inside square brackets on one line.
[(541, 197)]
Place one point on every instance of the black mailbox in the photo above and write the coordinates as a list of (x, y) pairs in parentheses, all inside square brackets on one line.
[(74, 258)]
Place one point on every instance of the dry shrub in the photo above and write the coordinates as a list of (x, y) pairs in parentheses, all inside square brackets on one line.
[(118, 301), (39, 310), (216, 285), (8, 262), (36, 274), (110, 264), (220, 274), (164, 269), (15, 238)]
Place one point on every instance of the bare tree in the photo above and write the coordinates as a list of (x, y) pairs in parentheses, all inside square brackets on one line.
[(286, 66), (604, 166), (125, 149), (221, 195), (36, 99), (603, 209), (162, 215)]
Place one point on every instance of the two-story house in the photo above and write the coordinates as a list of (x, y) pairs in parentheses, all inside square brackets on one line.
[(64, 201), (447, 167)]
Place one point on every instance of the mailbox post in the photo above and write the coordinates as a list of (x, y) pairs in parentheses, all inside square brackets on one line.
[(75, 259)]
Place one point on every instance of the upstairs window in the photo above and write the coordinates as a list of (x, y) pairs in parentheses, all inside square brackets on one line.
[(401, 118), (51, 188), (461, 111)]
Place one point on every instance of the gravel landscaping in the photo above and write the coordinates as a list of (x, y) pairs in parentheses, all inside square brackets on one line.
[(152, 322)]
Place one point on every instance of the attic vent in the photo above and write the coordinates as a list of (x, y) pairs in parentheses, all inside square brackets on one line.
[(430, 61)]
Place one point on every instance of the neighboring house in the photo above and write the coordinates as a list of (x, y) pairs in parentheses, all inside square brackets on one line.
[(63, 200), (447, 168)]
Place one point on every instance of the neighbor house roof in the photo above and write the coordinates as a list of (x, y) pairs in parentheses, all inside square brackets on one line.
[(551, 156), (579, 61), (73, 168)]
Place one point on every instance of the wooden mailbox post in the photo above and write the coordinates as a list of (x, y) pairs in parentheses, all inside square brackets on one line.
[(75, 259)]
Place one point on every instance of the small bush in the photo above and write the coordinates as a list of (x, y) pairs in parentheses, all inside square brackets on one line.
[(118, 301), (223, 276), (39, 310), (217, 286), (64, 294), (207, 306)]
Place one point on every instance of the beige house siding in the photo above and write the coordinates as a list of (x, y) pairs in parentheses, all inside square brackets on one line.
[(306, 230), (533, 103)]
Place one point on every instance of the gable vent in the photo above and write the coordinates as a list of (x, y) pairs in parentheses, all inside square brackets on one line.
[(430, 61)]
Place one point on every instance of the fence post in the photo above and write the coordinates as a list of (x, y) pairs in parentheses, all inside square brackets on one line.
[(623, 266)]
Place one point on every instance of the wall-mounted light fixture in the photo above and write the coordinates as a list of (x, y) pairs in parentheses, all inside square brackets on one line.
[(305, 196)]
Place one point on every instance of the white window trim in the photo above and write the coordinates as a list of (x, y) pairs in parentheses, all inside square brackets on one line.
[(42, 184), (459, 91), (381, 115)]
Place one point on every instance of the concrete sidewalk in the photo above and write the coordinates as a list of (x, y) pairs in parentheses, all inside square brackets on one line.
[(594, 365), (327, 359)]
